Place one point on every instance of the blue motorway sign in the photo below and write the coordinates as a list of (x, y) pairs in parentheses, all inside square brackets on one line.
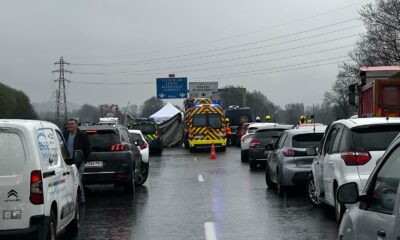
[(168, 88)]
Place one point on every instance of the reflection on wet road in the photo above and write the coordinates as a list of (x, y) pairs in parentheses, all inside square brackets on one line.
[(186, 194)]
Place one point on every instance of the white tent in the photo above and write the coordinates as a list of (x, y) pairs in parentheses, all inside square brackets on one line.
[(165, 113)]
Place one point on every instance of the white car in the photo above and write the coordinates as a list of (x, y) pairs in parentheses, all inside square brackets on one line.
[(350, 149), (376, 216), (39, 184), (246, 139), (139, 140)]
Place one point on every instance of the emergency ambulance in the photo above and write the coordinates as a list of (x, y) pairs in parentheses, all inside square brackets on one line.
[(204, 124)]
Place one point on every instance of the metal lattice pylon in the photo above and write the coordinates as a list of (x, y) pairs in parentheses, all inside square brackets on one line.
[(61, 98)]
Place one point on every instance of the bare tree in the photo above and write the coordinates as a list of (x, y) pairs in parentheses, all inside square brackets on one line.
[(151, 106)]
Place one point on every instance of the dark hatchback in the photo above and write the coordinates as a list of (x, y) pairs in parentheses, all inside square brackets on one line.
[(267, 135), (113, 158)]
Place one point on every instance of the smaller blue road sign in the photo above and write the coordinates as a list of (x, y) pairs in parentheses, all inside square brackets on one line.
[(168, 88)]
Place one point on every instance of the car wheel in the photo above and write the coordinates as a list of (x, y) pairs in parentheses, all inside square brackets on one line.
[(252, 164), (144, 172), (312, 192), (223, 149), (339, 209), (268, 180), (192, 149), (280, 189), (74, 225), (52, 232), (244, 157)]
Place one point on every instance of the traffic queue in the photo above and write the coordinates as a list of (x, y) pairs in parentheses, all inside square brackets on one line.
[(350, 164)]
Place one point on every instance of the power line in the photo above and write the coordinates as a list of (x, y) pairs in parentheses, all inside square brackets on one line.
[(231, 52), (238, 74), (231, 59), (268, 69), (229, 37)]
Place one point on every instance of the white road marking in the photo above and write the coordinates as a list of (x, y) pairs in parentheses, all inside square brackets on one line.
[(209, 230), (200, 178)]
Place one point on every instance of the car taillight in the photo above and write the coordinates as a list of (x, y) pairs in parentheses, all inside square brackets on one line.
[(118, 147), (288, 153), (255, 142), (354, 158), (36, 195), (143, 146)]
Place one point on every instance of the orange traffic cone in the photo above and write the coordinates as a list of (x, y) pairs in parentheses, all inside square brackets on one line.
[(213, 155)]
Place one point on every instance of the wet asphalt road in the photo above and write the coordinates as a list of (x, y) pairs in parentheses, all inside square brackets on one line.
[(174, 204)]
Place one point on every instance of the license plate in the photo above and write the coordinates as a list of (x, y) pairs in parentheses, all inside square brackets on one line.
[(94, 164)]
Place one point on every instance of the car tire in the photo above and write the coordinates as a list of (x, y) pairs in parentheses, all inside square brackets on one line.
[(339, 208), (192, 149), (52, 230), (312, 192), (252, 164), (268, 180), (144, 173), (280, 189), (223, 149), (244, 156), (74, 225)]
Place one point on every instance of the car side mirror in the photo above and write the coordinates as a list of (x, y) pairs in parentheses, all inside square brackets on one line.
[(348, 193), (269, 147), (311, 151)]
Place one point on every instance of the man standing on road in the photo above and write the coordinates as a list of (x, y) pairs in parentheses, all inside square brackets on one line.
[(77, 140)]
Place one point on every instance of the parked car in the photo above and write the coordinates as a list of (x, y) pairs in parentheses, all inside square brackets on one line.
[(241, 131), (138, 139), (39, 184), (113, 158), (374, 213), (247, 137), (349, 153), (149, 129), (263, 136), (288, 163)]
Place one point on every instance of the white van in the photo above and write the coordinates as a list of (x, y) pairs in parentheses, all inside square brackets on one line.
[(39, 185)]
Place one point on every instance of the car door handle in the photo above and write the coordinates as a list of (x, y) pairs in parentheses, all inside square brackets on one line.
[(381, 233)]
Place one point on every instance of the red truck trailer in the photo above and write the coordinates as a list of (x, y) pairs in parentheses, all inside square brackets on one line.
[(378, 92)]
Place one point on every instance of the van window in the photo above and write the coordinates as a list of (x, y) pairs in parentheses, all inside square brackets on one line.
[(214, 120), (63, 146), (48, 147), (306, 140), (375, 137), (199, 120), (145, 128), (12, 154)]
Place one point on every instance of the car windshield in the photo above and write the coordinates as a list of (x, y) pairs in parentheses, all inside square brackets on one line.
[(102, 140), (306, 140), (252, 130), (145, 128), (269, 135), (375, 137), (134, 137)]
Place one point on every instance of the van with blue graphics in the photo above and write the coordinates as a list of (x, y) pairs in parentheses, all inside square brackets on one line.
[(39, 182)]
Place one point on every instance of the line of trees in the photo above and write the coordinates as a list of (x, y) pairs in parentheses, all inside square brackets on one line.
[(15, 104)]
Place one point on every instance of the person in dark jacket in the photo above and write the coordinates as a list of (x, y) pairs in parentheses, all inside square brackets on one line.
[(78, 140)]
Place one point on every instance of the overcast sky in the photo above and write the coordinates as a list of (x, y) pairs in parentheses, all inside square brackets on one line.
[(254, 43)]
